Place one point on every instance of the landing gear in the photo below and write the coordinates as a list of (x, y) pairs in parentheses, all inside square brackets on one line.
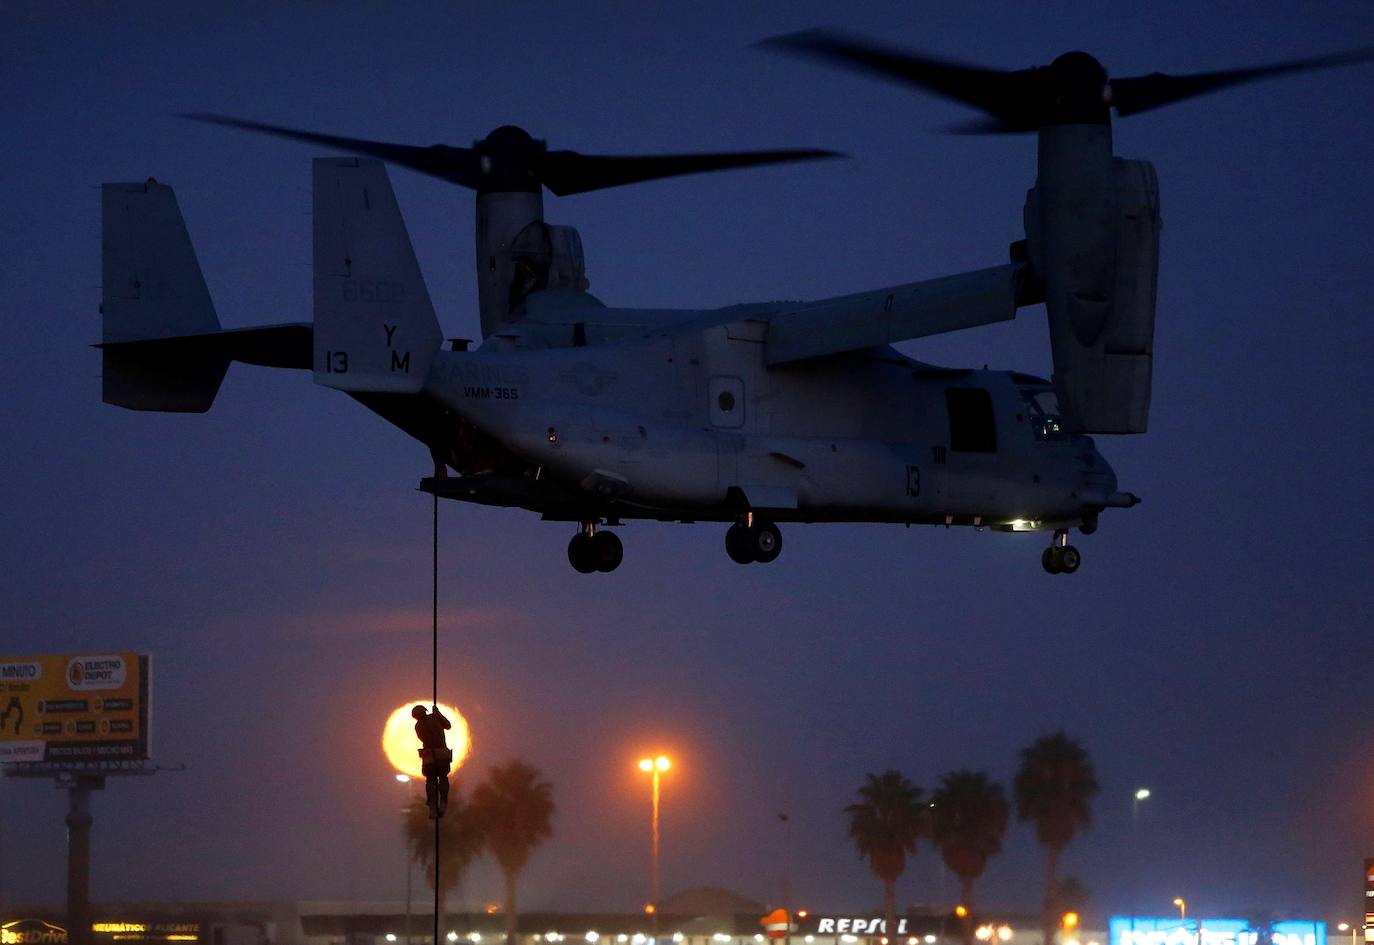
[(753, 539), (1061, 557), (591, 550)]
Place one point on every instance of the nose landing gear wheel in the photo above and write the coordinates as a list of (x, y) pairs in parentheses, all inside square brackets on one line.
[(1049, 559), (1061, 559)]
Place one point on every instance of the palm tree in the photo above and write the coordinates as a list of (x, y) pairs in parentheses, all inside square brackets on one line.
[(1070, 895), (1054, 788), (515, 810), (460, 841), (968, 819), (885, 825)]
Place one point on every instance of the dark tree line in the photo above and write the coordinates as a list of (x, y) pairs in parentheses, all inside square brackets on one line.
[(966, 819)]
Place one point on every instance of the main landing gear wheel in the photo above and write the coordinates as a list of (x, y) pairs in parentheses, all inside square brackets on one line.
[(1061, 557), (737, 544), (761, 542), (597, 551)]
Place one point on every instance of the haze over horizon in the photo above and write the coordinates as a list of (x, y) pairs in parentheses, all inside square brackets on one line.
[(273, 555)]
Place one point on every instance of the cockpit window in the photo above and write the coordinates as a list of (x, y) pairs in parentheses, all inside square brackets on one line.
[(1042, 405)]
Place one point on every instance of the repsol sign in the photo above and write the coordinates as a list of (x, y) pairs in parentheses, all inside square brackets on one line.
[(857, 925)]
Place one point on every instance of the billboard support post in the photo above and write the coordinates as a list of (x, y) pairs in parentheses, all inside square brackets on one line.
[(79, 822)]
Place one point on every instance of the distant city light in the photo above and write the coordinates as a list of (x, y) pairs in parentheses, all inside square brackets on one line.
[(1145, 930), (403, 778), (452, 936), (1142, 794), (591, 936), (1004, 933), (391, 936)]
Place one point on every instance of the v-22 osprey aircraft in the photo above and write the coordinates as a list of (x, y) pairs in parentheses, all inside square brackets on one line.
[(750, 415)]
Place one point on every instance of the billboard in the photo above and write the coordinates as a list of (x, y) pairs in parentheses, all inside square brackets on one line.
[(1127, 930), (1369, 900), (74, 707), (141, 931)]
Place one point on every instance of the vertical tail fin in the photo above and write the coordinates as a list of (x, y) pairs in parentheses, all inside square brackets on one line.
[(152, 288), (375, 328)]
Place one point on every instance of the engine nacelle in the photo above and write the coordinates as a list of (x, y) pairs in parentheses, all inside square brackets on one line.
[(1092, 231), (544, 256)]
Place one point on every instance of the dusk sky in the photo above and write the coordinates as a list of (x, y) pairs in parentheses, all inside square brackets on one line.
[(272, 555)]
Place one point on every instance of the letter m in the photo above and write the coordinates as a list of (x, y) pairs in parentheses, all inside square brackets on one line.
[(400, 364)]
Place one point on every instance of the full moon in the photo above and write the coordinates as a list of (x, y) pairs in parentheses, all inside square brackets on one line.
[(402, 747)]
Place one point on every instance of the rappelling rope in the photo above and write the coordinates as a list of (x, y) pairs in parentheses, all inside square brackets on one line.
[(434, 668)]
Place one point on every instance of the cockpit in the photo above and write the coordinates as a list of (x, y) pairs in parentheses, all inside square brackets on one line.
[(1042, 409)]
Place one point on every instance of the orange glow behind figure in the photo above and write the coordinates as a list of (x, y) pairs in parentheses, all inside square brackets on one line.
[(402, 747)]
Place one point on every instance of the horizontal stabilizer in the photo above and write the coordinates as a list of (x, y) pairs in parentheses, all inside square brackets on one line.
[(181, 374), (884, 316)]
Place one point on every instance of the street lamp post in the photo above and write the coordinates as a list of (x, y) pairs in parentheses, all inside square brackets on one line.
[(1141, 794), (405, 779), (1182, 908), (655, 767)]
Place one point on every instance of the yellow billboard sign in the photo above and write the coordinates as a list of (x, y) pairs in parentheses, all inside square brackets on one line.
[(74, 707)]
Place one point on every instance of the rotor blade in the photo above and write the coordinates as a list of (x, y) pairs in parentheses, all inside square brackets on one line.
[(985, 126), (459, 165), (1143, 93), (568, 172), (997, 92)]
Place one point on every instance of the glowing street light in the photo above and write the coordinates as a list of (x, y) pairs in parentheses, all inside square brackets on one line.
[(1182, 908), (656, 767), (1141, 794)]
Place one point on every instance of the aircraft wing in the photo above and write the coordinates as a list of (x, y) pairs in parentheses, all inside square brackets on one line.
[(883, 316)]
